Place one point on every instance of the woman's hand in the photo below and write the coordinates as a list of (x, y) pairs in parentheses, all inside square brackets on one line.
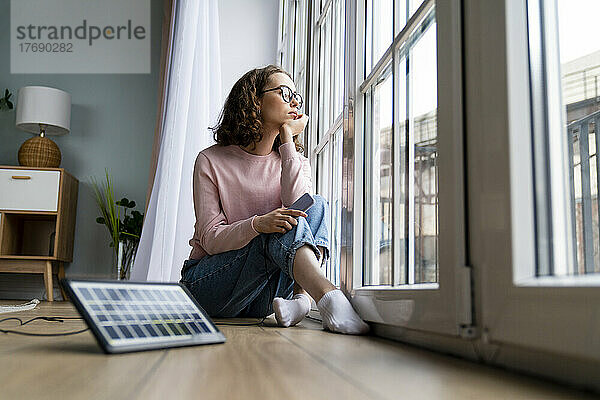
[(279, 220), (292, 127)]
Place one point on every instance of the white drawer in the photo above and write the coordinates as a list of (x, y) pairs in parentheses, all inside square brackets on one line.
[(29, 190)]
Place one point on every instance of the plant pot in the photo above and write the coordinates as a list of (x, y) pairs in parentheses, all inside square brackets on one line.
[(123, 259)]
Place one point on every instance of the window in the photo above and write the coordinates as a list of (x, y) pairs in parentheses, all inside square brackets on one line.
[(378, 123), (319, 74), (379, 30), (524, 163), (403, 95), (293, 39), (413, 204), (563, 114), (407, 270), (580, 74), (379, 225), (325, 136)]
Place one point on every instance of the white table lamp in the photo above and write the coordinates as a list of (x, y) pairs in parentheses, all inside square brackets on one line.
[(43, 111)]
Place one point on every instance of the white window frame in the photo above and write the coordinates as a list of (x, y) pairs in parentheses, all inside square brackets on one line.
[(510, 318), (445, 307), (553, 314), (299, 25), (332, 136)]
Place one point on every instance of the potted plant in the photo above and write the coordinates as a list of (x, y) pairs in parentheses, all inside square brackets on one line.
[(124, 233), (5, 103), (5, 107)]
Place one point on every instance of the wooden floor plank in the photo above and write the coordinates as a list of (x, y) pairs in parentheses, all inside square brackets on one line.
[(68, 367), (394, 370), (256, 362), (252, 364)]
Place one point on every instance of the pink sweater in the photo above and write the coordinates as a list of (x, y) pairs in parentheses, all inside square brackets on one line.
[(232, 186)]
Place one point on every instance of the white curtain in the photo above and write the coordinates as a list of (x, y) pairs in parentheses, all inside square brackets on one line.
[(193, 103)]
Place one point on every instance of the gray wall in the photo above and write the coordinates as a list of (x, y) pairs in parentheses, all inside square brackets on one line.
[(248, 37), (112, 125)]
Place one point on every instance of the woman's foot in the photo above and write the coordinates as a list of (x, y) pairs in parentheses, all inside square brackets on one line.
[(339, 316), (290, 312)]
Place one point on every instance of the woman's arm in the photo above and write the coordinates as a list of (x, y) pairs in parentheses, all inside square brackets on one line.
[(295, 174), (211, 229), (295, 168)]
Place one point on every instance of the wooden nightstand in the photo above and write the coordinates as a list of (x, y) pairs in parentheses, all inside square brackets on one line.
[(37, 221)]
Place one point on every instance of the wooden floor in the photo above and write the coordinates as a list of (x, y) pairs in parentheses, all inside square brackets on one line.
[(256, 362)]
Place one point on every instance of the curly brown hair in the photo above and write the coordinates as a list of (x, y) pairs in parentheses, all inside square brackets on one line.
[(240, 122)]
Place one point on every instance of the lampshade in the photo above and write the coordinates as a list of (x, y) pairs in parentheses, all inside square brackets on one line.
[(43, 105)]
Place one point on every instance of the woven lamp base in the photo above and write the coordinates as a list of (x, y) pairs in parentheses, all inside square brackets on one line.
[(39, 152)]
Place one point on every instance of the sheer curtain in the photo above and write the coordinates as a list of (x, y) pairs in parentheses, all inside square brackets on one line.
[(193, 101)]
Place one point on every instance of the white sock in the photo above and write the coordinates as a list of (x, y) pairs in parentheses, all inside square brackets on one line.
[(290, 312), (338, 314)]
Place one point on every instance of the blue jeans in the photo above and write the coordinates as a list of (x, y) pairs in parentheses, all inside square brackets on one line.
[(244, 282)]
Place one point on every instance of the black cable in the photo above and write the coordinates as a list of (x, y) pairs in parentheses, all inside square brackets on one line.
[(44, 334), (61, 319), (250, 324), (52, 319), (260, 322)]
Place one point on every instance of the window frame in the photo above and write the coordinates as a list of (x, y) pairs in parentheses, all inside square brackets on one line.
[(518, 308), (444, 307), (291, 33), (490, 204), (321, 142), (294, 43)]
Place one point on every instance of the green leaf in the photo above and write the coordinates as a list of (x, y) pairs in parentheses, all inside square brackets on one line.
[(105, 200), (100, 220), (127, 229)]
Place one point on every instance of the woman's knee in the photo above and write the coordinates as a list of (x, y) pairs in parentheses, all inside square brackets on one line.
[(320, 200), (320, 204)]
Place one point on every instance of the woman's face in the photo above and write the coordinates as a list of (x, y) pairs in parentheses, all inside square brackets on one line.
[(274, 109)]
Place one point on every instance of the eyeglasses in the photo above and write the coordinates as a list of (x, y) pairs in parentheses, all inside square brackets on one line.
[(287, 94)]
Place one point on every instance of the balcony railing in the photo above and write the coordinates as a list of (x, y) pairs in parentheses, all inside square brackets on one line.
[(584, 177)]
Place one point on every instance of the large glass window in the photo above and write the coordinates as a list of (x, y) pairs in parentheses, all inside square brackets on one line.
[(320, 78), (325, 76), (530, 174), (580, 72), (373, 145), (390, 133), (380, 194), (564, 116), (293, 38), (402, 218), (326, 132), (423, 115), (379, 32)]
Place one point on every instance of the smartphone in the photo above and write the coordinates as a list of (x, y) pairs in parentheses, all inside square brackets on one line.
[(303, 203)]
